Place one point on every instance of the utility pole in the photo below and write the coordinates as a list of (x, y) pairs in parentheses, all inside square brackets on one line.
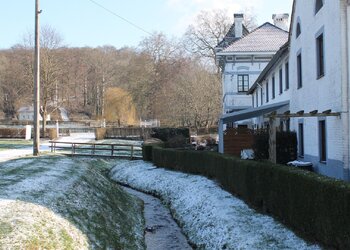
[(36, 138)]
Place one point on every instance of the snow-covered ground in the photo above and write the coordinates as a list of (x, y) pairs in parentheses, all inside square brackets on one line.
[(211, 217), (6, 155), (56, 202)]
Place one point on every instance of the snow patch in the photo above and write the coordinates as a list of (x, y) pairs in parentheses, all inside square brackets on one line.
[(26, 225), (211, 217)]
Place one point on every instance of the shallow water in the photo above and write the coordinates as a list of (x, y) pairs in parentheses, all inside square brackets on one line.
[(161, 230)]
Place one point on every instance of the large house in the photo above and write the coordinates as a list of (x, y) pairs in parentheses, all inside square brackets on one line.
[(307, 84), (242, 55), (26, 113)]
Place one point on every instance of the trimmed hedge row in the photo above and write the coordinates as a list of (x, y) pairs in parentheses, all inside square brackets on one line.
[(317, 207), (286, 146), (165, 134)]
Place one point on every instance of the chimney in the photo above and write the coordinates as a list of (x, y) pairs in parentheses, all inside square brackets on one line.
[(281, 21), (238, 19)]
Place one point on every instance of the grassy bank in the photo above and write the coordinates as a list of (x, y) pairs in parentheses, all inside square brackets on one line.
[(6, 144), (55, 202)]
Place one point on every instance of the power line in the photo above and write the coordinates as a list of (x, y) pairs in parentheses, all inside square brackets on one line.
[(120, 17)]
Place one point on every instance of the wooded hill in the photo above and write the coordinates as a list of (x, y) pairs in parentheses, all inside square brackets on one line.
[(173, 80), (158, 80)]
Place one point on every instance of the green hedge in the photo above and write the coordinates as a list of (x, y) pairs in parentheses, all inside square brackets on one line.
[(286, 146), (317, 207), (147, 152), (165, 134)]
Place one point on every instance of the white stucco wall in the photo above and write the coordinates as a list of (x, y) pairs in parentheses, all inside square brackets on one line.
[(284, 96), (233, 98), (279, 97), (318, 94)]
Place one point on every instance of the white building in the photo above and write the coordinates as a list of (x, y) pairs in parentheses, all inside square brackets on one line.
[(27, 114), (245, 57), (313, 71)]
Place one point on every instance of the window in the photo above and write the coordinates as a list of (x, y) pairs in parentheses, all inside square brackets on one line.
[(267, 91), (261, 96), (257, 98), (298, 31), (253, 104), (243, 83), (301, 139), (299, 71), (263, 58), (286, 74), (281, 81), (273, 87), (318, 5), (243, 58), (322, 140), (320, 56)]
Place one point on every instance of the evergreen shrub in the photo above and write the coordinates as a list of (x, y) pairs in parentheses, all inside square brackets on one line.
[(165, 134), (313, 205), (286, 146), (147, 152)]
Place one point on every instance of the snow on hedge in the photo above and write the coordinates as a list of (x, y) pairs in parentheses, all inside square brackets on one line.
[(211, 217)]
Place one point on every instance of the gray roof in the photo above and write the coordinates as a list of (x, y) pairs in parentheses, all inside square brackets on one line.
[(252, 112), (26, 109), (265, 38), (230, 37), (275, 59)]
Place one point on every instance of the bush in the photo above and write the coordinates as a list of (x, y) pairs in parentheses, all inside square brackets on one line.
[(177, 141), (286, 146), (315, 206), (165, 134), (12, 132), (100, 133), (261, 145), (147, 152)]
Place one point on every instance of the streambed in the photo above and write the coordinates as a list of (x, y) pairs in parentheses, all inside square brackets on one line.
[(161, 230)]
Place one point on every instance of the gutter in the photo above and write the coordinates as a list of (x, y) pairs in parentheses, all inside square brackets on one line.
[(344, 86)]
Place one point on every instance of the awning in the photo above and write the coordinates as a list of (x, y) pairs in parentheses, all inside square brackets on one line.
[(252, 112)]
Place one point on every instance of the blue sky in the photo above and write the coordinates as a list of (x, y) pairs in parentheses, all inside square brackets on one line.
[(82, 23)]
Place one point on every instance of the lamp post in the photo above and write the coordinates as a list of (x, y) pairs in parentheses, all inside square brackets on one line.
[(36, 136)]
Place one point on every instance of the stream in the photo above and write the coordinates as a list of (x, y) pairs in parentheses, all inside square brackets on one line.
[(161, 230)]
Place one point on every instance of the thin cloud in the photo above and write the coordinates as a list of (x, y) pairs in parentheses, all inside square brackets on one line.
[(188, 9)]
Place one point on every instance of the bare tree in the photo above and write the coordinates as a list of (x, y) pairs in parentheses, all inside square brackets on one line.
[(50, 70), (250, 19), (209, 29), (14, 77), (162, 54), (196, 95)]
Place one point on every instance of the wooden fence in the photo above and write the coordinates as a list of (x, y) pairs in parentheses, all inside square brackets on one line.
[(237, 139), (97, 149), (142, 133)]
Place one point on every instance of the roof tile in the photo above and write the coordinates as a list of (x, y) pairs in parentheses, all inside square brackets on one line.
[(265, 38)]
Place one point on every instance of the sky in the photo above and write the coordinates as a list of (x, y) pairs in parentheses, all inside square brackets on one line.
[(85, 23)]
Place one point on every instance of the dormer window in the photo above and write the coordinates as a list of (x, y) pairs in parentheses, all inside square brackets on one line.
[(298, 31), (318, 5)]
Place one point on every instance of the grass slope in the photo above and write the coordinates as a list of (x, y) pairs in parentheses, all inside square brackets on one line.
[(66, 203), (6, 144)]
